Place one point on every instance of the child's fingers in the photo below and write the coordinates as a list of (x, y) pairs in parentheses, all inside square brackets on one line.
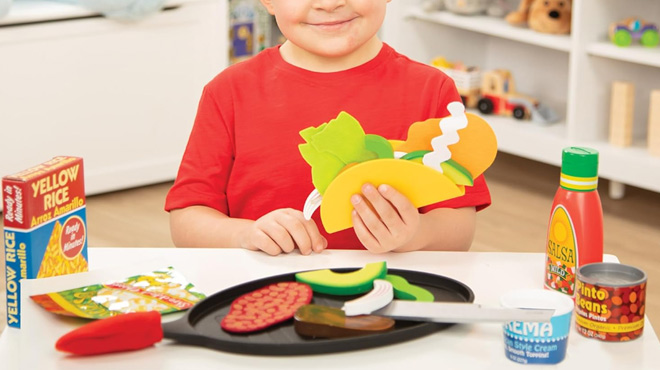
[(364, 235), (297, 230), (305, 233), (369, 228), (261, 241), (405, 210), (279, 235), (370, 218), (317, 242), (386, 211), (391, 221)]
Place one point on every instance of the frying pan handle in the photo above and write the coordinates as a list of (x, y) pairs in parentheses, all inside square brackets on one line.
[(119, 333), (178, 328)]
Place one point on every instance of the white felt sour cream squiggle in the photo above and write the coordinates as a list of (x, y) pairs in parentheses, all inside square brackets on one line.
[(380, 296), (449, 126)]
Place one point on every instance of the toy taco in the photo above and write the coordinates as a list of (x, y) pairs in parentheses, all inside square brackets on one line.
[(437, 160)]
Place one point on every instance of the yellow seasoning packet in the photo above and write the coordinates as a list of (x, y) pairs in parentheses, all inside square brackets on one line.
[(165, 290)]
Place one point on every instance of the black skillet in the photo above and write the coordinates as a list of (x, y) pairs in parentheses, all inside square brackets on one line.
[(201, 324)]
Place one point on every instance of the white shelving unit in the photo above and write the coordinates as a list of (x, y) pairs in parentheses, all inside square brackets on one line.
[(572, 74), (493, 27), (122, 95)]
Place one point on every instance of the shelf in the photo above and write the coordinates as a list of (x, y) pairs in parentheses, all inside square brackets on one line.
[(150, 72), (36, 11), (544, 143), (528, 139), (634, 54), (590, 57), (40, 11), (493, 26), (627, 164)]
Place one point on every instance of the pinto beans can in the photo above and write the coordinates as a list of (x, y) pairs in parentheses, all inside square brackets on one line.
[(610, 301)]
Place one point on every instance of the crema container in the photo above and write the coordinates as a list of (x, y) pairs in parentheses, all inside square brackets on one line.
[(610, 301), (538, 342)]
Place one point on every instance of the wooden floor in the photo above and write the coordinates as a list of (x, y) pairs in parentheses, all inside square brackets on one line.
[(522, 193)]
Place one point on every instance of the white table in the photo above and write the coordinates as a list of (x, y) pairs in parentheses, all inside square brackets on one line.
[(475, 346)]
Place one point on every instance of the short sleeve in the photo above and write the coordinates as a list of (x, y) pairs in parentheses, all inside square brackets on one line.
[(207, 161)]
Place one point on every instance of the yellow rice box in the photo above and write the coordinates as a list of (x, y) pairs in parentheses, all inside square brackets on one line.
[(45, 225)]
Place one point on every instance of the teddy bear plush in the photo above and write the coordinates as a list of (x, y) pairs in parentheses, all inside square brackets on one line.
[(547, 16)]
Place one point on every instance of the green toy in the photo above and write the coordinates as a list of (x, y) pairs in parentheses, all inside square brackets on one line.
[(348, 283), (404, 290)]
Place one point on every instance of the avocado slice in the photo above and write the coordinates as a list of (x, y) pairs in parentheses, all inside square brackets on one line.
[(404, 290), (456, 173), (348, 283), (379, 145), (415, 154)]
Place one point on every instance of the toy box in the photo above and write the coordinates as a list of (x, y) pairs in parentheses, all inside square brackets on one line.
[(467, 79), (45, 225), (468, 83)]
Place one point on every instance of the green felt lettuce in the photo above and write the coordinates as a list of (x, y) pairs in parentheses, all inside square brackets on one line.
[(331, 146)]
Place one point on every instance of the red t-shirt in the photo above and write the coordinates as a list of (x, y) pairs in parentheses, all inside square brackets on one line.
[(242, 156)]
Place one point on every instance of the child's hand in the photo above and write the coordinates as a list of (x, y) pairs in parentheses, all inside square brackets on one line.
[(282, 230), (389, 224)]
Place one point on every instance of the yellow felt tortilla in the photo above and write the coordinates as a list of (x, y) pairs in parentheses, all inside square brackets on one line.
[(421, 184), (475, 150)]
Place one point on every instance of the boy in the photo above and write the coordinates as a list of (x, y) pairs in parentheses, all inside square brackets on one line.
[(242, 181)]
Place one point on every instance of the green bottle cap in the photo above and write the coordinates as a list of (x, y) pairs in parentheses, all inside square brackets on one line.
[(579, 168)]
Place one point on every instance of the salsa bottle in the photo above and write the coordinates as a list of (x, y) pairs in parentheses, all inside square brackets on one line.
[(575, 229)]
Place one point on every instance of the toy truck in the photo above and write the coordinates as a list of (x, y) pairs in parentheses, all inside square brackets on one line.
[(499, 96), (624, 32)]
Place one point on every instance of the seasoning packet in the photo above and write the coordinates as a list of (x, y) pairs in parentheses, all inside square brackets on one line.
[(164, 290)]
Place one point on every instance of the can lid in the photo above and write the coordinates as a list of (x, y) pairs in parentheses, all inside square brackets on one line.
[(611, 274), (579, 162)]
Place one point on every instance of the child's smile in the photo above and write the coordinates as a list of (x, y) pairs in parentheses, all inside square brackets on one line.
[(330, 35), (334, 25)]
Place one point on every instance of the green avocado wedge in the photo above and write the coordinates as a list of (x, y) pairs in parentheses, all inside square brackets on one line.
[(456, 173), (379, 145), (348, 283), (415, 154), (406, 291)]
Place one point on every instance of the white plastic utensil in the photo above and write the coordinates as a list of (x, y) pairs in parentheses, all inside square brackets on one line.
[(379, 301), (312, 202), (450, 312)]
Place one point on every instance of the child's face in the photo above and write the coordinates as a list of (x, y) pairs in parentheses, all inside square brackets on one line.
[(328, 28)]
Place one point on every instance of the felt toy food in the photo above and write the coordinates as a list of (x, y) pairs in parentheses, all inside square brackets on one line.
[(165, 290), (347, 283), (318, 321), (437, 160), (267, 306), (248, 313), (380, 296), (404, 290)]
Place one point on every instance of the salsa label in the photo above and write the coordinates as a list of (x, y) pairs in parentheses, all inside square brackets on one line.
[(561, 252)]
